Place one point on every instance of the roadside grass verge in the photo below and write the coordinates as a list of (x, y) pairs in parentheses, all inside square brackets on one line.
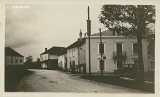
[(13, 74), (115, 80)]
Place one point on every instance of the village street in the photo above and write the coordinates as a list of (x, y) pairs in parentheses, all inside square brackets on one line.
[(57, 81)]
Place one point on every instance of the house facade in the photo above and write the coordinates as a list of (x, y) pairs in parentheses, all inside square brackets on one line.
[(49, 58), (12, 57), (76, 55), (117, 50), (62, 61)]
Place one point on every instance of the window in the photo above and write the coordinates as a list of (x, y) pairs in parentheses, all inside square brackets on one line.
[(16, 59), (119, 49), (73, 53), (101, 48), (102, 64), (135, 48), (21, 61), (70, 54)]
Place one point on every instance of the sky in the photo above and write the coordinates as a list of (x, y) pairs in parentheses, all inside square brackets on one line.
[(38, 26), (50, 23)]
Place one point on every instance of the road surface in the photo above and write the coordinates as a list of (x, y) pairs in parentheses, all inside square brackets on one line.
[(58, 81)]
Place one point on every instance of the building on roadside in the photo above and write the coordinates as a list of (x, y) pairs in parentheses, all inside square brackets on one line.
[(62, 60), (12, 57), (76, 55), (117, 50), (49, 58)]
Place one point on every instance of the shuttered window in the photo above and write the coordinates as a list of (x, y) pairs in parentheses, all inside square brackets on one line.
[(135, 48), (101, 48)]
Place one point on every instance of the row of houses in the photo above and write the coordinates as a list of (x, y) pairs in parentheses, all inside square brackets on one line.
[(117, 50)]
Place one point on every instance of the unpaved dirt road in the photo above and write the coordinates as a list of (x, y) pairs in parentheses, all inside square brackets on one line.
[(57, 81)]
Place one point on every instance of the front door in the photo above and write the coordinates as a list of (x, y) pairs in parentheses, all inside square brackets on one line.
[(136, 63), (119, 63)]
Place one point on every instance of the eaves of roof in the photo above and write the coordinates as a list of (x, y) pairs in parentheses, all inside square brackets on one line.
[(76, 44), (10, 52)]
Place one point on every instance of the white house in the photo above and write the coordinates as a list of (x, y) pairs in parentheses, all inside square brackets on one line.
[(117, 50), (62, 60), (49, 58), (12, 57)]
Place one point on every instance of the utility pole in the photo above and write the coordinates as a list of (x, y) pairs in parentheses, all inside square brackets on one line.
[(89, 33), (101, 61)]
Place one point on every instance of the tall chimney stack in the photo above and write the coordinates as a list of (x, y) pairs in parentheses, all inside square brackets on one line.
[(80, 34), (45, 49)]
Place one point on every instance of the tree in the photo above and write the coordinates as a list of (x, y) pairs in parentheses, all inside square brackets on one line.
[(132, 20), (38, 63), (38, 60), (29, 60)]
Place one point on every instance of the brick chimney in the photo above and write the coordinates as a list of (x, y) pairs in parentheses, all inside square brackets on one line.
[(45, 49), (80, 35)]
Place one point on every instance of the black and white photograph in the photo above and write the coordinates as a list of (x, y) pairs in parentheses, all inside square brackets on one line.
[(79, 47)]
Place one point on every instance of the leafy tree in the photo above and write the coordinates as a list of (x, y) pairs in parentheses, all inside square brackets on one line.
[(38, 60), (29, 60), (38, 63), (131, 20)]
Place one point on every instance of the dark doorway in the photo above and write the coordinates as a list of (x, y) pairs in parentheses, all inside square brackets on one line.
[(119, 63)]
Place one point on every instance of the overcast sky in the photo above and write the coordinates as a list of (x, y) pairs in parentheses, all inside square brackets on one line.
[(30, 30)]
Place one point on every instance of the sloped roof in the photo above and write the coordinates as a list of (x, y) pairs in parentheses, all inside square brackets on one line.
[(10, 52), (55, 50), (104, 33), (63, 52), (77, 43)]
